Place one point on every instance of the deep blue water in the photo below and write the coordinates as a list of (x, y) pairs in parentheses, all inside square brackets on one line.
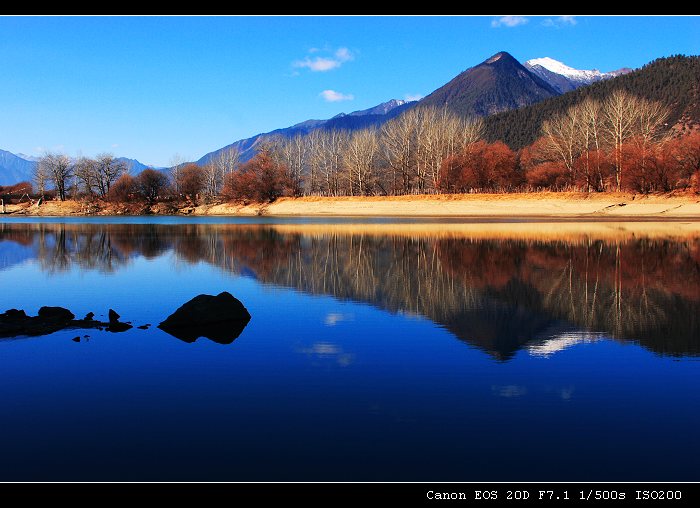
[(369, 356)]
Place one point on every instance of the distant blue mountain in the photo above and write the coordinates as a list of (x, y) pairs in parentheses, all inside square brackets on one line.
[(14, 169), (351, 121), (19, 167)]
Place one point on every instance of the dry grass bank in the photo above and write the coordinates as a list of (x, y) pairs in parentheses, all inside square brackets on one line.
[(544, 204), (526, 205)]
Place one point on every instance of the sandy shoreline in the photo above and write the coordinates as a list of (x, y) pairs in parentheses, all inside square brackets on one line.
[(533, 205)]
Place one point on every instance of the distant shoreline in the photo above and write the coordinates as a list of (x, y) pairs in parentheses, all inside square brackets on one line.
[(542, 205)]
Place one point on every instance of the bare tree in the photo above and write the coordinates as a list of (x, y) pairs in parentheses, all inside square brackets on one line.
[(619, 112), (177, 162), (108, 170), (215, 171), (326, 159), (398, 150), (59, 169), (360, 160), (85, 171), (294, 153), (40, 176), (590, 114), (562, 139), (442, 135), (627, 116)]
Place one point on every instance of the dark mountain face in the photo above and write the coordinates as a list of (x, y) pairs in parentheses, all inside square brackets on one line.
[(498, 84)]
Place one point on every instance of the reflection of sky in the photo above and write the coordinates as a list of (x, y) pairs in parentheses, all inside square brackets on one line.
[(327, 350), (380, 396), (332, 318)]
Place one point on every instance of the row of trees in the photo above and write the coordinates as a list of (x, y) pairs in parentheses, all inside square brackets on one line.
[(404, 156), (620, 143), (84, 176)]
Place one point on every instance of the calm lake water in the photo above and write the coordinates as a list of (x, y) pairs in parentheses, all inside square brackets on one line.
[(377, 350)]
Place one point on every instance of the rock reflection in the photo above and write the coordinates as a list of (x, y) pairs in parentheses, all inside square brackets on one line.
[(497, 292)]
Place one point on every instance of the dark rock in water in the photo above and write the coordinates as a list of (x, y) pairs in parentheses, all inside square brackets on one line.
[(116, 327), (56, 314), (113, 316), (15, 323), (76, 339), (144, 327), (15, 314), (89, 316), (224, 332), (220, 318)]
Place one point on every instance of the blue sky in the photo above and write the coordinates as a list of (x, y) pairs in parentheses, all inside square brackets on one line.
[(153, 87)]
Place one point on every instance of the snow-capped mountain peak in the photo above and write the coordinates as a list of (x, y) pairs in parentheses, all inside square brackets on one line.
[(561, 68), (565, 78)]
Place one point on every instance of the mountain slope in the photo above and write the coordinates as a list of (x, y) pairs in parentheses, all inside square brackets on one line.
[(564, 78), (14, 169), (373, 116), (674, 81), (498, 84)]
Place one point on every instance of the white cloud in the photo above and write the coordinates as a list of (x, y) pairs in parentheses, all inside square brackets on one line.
[(344, 55), (509, 21), (559, 21), (413, 96), (324, 63), (318, 64), (115, 145), (333, 96)]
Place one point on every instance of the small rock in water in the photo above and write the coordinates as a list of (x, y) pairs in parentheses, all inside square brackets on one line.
[(113, 316), (144, 327), (76, 339), (89, 316)]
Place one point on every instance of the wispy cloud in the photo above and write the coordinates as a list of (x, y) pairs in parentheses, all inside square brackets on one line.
[(559, 21), (324, 63), (333, 96), (509, 21), (413, 96)]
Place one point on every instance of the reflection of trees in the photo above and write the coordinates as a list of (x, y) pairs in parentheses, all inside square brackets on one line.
[(497, 294)]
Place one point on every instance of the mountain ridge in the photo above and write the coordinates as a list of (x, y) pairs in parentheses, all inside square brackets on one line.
[(566, 79), (497, 84)]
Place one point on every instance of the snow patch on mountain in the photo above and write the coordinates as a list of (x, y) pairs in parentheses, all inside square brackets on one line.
[(553, 71)]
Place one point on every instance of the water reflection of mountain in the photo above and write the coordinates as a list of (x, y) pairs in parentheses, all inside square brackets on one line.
[(499, 294)]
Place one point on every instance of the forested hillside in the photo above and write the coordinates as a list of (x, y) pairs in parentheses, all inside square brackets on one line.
[(673, 81)]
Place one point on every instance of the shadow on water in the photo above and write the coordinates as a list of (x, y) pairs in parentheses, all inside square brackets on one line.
[(500, 291)]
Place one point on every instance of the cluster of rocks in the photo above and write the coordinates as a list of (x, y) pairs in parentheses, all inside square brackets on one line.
[(14, 322), (220, 318)]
